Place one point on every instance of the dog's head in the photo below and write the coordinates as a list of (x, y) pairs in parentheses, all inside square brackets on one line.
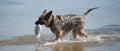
[(45, 18)]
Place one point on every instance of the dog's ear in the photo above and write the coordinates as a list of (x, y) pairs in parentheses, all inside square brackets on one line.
[(48, 15), (44, 12)]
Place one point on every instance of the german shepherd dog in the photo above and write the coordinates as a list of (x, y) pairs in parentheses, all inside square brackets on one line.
[(60, 25)]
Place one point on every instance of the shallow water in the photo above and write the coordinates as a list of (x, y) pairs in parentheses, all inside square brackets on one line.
[(68, 47), (24, 43), (17, 19), (109, 40)]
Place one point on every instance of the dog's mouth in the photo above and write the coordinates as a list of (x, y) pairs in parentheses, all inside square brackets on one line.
[(39, 22)]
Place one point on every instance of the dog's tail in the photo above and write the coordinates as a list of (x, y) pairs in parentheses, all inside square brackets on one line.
[(89, 10)]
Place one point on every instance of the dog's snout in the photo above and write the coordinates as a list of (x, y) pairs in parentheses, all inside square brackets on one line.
[(37, 22)]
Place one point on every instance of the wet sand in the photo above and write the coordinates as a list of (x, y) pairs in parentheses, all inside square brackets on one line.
[(18, 40)]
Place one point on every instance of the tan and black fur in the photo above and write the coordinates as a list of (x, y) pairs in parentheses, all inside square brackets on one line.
[(60, 25)]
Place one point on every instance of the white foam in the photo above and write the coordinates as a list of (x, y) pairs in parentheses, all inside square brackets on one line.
[(51, 43), (99, 38)]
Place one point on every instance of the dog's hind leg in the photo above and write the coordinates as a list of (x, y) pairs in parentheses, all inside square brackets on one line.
[(81, 28), (83, 33)]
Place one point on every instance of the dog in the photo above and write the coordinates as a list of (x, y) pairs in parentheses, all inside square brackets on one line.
[(61, 25)]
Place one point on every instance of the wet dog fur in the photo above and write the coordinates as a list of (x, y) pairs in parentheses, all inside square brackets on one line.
[(60, 25)]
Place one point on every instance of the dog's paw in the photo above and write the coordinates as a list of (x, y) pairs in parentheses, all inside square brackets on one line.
[(59, 40)]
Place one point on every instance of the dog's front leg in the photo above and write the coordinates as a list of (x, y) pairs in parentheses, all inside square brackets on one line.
[(74, 34), (59, 36)]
